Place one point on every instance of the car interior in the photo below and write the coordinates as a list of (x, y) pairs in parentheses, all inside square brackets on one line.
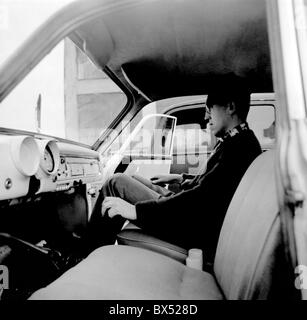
[(163, 55)]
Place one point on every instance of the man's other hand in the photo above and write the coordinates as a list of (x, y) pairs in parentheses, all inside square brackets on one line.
[(162, 179), (118, 206)]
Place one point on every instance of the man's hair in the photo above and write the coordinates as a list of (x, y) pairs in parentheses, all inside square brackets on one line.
[(227, 89)]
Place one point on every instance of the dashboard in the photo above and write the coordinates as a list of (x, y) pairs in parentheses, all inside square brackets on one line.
[(31, 165)]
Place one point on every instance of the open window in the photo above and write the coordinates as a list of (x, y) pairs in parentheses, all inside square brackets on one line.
[(147, 150), (261, 119), (192, 142)]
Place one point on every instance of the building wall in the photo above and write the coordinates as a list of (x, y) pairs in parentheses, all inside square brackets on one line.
[(92, 100)]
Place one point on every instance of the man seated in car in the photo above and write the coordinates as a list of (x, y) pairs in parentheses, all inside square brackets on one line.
[(193, 217)]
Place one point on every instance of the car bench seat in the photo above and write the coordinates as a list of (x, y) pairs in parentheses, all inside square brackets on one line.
[(249, 262), (136, 237)]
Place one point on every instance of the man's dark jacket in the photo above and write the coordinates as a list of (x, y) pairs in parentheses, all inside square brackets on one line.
[(193, 218)]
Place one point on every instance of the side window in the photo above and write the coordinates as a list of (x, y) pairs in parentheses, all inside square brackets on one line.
[(192, 142), (261, 119), (191, 134), (191, 138), (153, 137)]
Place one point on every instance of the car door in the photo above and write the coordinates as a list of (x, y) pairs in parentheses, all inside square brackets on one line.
[(287, 26)]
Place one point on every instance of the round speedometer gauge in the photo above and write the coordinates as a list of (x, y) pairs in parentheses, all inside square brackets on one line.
[(48, 160), (50, 156)]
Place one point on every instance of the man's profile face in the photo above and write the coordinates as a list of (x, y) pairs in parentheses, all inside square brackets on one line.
[(218, 119)]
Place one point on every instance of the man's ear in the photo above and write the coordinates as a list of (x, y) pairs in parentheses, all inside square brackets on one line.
[(231, 108)]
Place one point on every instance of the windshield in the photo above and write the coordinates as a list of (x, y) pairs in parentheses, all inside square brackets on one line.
[(65, 95)]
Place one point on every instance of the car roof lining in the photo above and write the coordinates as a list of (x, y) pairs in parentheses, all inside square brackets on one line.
[(171, 48), (158, 48)]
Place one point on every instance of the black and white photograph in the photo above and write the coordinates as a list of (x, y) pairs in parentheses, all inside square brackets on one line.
[(153, 151)]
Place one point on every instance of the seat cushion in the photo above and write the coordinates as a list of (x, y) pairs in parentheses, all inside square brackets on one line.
[(122, 272), (138, 238)]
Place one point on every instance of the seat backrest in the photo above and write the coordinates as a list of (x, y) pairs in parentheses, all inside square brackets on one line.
[(251, 236)]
